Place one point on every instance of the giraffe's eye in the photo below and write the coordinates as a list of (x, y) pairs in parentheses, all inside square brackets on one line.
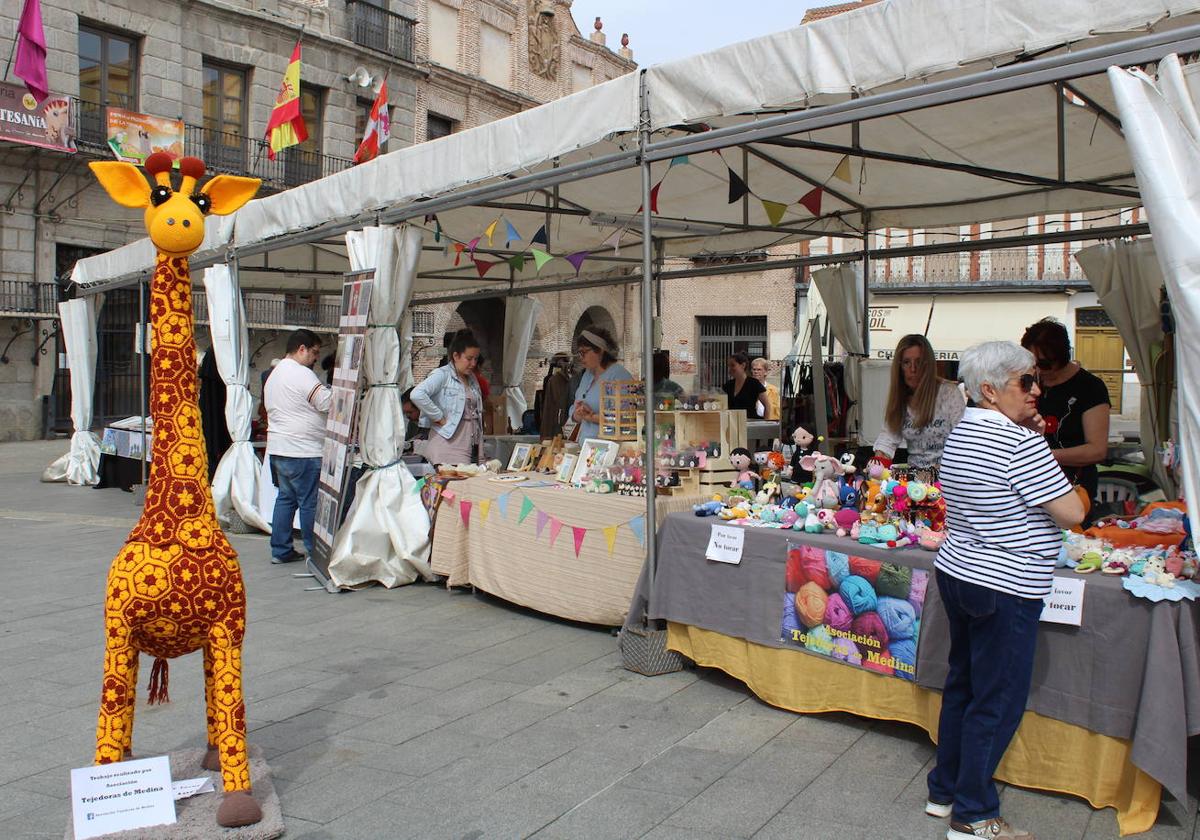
[(159, 195), (202, 201)]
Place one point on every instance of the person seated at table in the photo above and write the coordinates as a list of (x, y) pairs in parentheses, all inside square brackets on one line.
[(921, 409), (598, 352), (412, 420), (758, 369), (451, 406), (1074, 402), (1006, 499), (744, 391)]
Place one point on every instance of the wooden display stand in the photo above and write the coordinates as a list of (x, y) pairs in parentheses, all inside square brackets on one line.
[(621, 403), (724, 429)]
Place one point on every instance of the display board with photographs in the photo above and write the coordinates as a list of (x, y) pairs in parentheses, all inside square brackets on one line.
[(341, 425)]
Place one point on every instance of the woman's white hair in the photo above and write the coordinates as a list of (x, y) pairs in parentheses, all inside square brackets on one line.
[(993, 362)]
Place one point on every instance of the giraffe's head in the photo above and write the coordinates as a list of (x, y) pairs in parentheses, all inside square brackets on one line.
[(174, 218)]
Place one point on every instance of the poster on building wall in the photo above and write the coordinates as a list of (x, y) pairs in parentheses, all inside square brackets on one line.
[(50, 125), (860, 612), (133, 137), (341, 424)]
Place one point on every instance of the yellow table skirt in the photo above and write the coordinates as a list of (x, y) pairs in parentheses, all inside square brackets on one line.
[(1046, 754)]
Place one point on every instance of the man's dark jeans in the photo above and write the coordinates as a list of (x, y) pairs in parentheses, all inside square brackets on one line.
[(297, 480), (992, 641)]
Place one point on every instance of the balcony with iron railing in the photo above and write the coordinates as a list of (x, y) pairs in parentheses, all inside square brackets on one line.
[(1046, 263), (376, 28), (278, 312), (24, 299), (222, 151)]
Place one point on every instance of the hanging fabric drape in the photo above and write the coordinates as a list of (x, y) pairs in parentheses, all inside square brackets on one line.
[(841, 291), (1162, 127), (385, 536), (405, 378), (1128, 282), (235, 485), (77, 320), (520, 316)]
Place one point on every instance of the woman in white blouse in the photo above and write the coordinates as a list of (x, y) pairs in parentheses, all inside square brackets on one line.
[(921, 407)]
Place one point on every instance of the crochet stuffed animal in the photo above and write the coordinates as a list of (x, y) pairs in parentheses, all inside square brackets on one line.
[(176, 586), (824, 469)]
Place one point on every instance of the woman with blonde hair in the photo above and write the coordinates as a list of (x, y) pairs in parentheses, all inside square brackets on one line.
[(921, 407), (759, 368)]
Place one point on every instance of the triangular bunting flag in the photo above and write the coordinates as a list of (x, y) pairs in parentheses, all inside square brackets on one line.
[(610, 537), (512, 235), (577, 259), (483, 266), (485, 507), (542, 519), (458, 249), (614, 240), (812, 201), (737, 187), (471, 245), (774, 210), (502, 505), (540, 236), (540, 257), (491, 229), (526, 508), (517, 263), (842, 171), (579, 534), (464, 509), (638, 526), (678, 160), (653, 199), (555, 527)]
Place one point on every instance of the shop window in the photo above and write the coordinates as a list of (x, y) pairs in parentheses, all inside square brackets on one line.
[(437, 126), (722, 337), (108, 75), (226, 145)]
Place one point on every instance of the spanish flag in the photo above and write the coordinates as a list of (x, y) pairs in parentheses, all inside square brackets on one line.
[(286, 126)]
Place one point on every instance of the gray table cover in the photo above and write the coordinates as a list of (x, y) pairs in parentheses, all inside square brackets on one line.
[(1131, 671)]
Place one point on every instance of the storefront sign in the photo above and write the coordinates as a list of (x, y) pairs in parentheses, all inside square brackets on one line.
[(881, 317), (856, 611), (1064, 604), (121, 796), (133, 137), (725, 544), (49, 125), (942, 356)]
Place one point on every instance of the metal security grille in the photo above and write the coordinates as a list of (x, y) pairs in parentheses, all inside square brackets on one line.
[(721, 337), (422, 322), (118, 393)]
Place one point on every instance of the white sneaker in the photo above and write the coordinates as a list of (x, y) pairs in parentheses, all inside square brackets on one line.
[(937, 809), (997, 828)]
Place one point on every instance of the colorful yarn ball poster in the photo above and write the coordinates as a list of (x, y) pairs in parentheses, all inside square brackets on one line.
[(860, 612)]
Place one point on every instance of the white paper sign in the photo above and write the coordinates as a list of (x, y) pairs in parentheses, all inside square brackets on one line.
[(121, 796), (1064, 604), (190, 787), (725, 544)]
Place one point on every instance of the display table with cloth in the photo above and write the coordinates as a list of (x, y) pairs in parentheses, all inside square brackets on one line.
[(546, 548), (1109, 713)]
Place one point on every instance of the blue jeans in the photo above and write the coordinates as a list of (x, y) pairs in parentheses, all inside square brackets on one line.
[(297, 480), (992, 640)]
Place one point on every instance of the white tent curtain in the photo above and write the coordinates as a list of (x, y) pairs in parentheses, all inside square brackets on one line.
[(235, 485), (406, 379), (1162, 128), (77, 320), (520, 316), (1128, 282), (841, 290), (385, 537)]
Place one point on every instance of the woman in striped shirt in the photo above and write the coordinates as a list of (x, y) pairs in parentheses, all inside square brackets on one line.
[(1006, 498)]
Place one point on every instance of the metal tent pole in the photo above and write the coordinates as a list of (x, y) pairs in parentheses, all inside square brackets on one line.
[(649, 472)]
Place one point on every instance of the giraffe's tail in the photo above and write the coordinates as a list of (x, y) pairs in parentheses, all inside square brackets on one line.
[(158, 683)]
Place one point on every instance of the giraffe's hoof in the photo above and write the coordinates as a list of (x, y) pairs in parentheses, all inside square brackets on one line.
[(238, 808), (212, 759)]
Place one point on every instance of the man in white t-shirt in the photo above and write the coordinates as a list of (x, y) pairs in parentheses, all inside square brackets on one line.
[(297, 403)]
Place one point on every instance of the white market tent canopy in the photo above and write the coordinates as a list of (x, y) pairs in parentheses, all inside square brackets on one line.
[(895, 93)]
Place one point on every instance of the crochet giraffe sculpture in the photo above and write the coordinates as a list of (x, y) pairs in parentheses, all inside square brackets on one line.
[(176, 586)]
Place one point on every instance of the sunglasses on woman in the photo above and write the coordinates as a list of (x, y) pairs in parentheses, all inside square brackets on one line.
[(1026, 381)]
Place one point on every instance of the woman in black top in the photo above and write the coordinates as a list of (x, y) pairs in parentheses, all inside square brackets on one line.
[(1074, 403), (743, 390)]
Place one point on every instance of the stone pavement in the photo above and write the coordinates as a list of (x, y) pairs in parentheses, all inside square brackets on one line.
[(424, 713)]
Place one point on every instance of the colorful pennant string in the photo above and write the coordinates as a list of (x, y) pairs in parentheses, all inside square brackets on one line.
[(502, 505), (842, 172), (638, 526), (540, 257), (464, 510), (555, 528), (577, 259), (610, 537), (516, 262), (483, 266), (526, 507), (491, 229), (540, 236), (812, 201), (578, 533), (512, 235), (542, 519), (485, 507), (737, 187), (774, 210)]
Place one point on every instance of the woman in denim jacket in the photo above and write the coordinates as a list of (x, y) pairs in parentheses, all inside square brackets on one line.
[(452, 406)]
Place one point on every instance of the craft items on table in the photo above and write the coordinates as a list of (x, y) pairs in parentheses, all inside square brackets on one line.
[(621, 400)]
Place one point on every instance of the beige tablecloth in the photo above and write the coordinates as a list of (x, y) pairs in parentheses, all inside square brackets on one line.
[(512, 561)]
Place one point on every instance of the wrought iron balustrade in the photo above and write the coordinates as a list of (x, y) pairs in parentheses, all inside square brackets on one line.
[(25, 298), (377, 28)]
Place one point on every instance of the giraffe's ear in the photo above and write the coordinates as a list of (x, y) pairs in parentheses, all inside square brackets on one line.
[(123, 182), (229, 192)]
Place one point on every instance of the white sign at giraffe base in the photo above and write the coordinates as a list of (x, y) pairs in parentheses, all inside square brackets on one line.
[(121, 796)]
